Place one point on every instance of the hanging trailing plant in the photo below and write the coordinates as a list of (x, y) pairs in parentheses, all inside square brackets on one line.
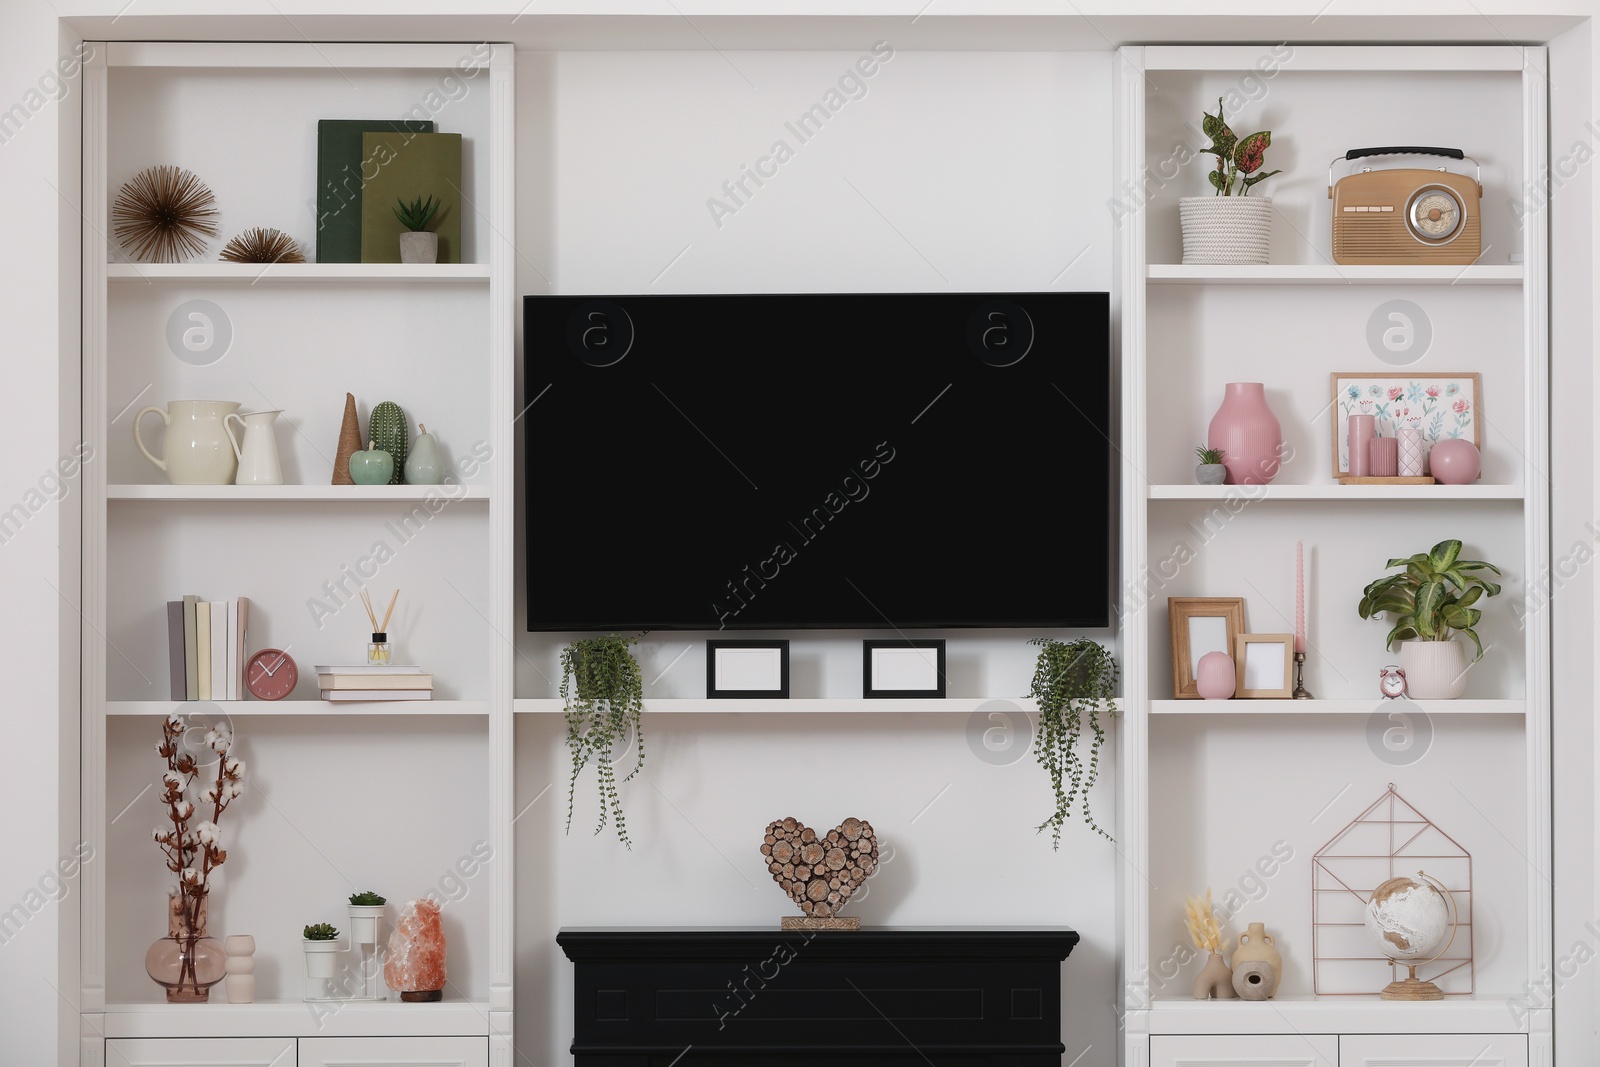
[(1072, 682), (602, 693)]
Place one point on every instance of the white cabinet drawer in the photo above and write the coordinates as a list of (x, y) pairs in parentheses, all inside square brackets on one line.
[(200, 1052), (1433, 1050), (394, 1052), (1252, 1050)]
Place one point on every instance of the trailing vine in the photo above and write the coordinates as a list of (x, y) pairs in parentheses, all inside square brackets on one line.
[(1072, 682), (602, 693)]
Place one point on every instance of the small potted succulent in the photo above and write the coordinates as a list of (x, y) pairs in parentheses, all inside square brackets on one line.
[(1430, 601), (1210, 471), (366, 909), (1229, 226), (321, 944), (418, 244)]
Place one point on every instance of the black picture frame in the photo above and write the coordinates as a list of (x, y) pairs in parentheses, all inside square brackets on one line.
[(869, 687), (780, 693)]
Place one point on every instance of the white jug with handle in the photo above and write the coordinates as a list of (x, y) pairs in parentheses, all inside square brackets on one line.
[(197, 449), (258, 455)]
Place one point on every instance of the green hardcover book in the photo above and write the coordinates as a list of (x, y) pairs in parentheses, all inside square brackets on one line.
[(409, 166), (340, 167)]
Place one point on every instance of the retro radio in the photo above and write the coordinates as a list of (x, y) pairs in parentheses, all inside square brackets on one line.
[(1406, 215)]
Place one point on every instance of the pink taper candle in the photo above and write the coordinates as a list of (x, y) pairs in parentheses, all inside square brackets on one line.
[(1299, 596)]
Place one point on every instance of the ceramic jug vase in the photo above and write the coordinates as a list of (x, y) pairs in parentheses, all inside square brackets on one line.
[(258, 455), (197, 449)]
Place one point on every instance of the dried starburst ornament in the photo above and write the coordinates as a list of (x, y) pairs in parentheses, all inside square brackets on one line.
[(262, 245), (164, 215)]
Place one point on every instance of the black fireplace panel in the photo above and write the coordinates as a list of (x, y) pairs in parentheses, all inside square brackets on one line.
[(959, 997)]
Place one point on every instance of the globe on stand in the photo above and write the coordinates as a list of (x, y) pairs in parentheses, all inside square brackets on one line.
[(1414, 922)]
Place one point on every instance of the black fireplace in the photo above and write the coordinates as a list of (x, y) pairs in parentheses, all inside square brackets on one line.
[(875, 997)]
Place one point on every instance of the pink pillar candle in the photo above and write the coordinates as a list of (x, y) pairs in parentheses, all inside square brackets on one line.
[(1383, 457), (1363, 428), (1410, 453)]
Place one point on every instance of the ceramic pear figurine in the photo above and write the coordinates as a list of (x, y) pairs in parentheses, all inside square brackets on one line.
[(372, 467), (424, 466)]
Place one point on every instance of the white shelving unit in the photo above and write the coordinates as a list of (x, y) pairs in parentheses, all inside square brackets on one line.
[(438, 339), (1207, 786)]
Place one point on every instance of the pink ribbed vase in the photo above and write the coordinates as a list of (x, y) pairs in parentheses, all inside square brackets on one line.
[(1248, 434)]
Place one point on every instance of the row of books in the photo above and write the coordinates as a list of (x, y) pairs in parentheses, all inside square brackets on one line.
[(373, 681), (205, 644)]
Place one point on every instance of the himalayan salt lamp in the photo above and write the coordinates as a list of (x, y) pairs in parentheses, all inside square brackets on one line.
[(415, 964)]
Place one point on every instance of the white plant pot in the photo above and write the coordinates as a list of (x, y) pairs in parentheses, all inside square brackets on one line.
[(1435, 670), (1226, 229), (322, 957), (419, 246), (364, 920)]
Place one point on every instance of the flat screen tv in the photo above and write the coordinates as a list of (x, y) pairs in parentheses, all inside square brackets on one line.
[(891, 461)]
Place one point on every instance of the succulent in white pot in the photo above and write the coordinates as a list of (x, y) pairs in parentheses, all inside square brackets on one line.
[(366, 911), (1430, 601), (322, 946)]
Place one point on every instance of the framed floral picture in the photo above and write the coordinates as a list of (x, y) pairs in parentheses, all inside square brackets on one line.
[(1441, 406)]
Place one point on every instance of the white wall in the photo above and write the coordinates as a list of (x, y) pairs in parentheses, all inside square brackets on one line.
[(35, 789), (953, 172)]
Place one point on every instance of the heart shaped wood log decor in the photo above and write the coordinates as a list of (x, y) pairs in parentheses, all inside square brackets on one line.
[(820, 872)]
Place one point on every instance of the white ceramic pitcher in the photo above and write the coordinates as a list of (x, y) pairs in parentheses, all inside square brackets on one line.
[(197, 449), (258, 455)]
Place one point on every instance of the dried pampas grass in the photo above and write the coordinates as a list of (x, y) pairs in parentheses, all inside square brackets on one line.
[(164, 215), (1204, 929)]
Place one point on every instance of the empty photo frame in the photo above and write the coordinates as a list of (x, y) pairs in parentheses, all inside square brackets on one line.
[(1263, 665), (902, 669), (1200, 624), (747, 669)]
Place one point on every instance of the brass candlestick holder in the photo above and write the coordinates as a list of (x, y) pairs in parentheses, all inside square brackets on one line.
[(1300, 690)]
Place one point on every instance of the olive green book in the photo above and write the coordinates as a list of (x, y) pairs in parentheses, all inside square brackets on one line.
[(340, 166), (410, 167)]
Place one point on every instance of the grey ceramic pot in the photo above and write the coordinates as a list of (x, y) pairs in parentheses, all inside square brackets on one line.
[(1210, 474)]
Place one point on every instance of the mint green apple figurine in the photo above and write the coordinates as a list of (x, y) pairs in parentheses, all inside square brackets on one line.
[(424, 466), (372, 467)]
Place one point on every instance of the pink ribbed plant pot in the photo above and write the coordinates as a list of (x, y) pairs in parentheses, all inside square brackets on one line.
[(1247, 432)]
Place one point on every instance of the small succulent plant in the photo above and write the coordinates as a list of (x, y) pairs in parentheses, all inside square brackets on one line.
[(416, 215), (1209, 456), (321, 932), (369, 899)]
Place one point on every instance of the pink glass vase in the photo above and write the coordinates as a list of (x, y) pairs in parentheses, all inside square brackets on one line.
[(186, 962), (1248, 434)]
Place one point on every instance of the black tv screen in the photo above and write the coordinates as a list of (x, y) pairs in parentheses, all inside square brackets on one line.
[(895, 461)]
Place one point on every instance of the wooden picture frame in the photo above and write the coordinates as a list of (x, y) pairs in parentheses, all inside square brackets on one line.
[(1435, 416), (746, 670), (1192, 639), (1263, 669)]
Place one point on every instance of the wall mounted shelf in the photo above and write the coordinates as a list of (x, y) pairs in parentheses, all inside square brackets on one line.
[(1358, 706), (1342, 494), (1332, 274), (344, 494), (287, 708), (808, 706), (275, 273)]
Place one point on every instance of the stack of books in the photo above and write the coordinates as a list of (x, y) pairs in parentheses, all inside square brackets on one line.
[(373, 681), (206, 644)]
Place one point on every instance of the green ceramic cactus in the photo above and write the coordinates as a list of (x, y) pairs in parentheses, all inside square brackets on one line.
[(387, 428)]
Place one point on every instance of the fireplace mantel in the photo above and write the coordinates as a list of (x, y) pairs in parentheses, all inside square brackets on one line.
[(960, 996)]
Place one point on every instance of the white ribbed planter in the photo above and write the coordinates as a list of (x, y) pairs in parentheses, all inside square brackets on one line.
[(1226, 229), (1435, 670)]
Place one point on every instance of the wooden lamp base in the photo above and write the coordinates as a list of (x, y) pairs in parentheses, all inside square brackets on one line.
[(1411, 988), (809, 922)]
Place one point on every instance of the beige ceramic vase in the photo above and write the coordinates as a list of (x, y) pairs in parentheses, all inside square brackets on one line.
[(1257, 946), (1215, 980)]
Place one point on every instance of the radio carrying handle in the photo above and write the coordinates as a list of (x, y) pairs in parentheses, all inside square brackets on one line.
[(1406, 150)]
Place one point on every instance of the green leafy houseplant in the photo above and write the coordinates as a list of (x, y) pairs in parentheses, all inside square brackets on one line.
[(416, 215), (1209, 456), (1239, 159), (1072, 682), (321, 932), (369, 899), (602, 693), (1432, 598)]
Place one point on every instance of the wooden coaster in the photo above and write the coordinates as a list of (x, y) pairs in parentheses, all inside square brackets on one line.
[(1347, 480), (809, 922)]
